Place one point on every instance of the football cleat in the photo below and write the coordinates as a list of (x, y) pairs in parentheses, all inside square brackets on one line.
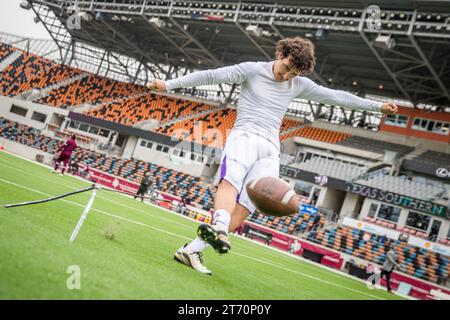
[(215, 237), (191, 259)]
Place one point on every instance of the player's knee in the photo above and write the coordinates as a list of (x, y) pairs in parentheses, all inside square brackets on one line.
[(231, 182)]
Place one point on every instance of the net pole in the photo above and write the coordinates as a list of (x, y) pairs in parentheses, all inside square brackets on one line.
[(83, 216)]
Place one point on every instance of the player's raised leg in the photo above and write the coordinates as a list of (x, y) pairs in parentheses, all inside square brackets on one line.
[(239, 215), (65, 160), (217, 234), (57, 162)]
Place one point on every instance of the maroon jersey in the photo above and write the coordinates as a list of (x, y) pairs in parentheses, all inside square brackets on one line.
[(68, 147)]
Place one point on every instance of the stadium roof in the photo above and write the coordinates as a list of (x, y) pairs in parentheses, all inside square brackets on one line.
[(410, 62)]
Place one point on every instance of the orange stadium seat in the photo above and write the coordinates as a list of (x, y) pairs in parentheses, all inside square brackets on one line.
[(20, 71), (212, 128), (150, 106), (318, 134), (56, 73), (90, 89), (6, 50)]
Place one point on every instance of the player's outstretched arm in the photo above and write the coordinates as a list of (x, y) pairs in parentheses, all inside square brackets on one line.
[(312, 91), (232, 74), (157, 85), (389, 108)]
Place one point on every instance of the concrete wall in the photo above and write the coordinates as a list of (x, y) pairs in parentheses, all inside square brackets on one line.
[(7, 102), (24, 151), (168, 160), (128, 151), (330, 199), (349, 205), (385, 136)]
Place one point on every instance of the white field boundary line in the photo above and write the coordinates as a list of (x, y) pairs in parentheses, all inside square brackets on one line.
[(186, 238), (251, 241), (72, 187)]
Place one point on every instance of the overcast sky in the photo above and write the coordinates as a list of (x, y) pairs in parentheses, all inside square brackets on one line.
[(15, 20)]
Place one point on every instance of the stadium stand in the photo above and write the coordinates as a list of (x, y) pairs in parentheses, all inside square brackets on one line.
[(417, 262), (332, 168), (375, 146), (402, 184), (437, 159), (165, 180), (5, 50), (27, 135), (80, 137), (92, 90), (295, 224), (222, 120), (56, 73), (288, 124), (20, 71), (150, 106), (318, 134)]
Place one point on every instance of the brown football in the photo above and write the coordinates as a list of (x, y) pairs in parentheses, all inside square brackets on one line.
[(273, 196)]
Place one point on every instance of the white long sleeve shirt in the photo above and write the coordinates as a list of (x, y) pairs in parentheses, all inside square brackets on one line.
[(263, 101)]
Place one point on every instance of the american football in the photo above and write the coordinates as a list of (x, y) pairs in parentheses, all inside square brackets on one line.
[(273, 196)]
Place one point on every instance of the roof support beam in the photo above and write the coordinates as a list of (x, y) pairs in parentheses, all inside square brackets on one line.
[(425, 59), (172, 42), (133, 45), (193, 39), (379, 57)]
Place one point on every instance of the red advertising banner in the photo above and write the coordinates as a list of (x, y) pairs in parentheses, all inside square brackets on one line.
[(284, 242), (120, 184), (113, 182)]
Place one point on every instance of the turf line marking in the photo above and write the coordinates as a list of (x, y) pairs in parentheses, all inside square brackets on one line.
[(186, 238), (100, 211), (72, 187)]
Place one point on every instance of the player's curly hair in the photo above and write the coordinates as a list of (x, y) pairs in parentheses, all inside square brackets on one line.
[(301, 51)]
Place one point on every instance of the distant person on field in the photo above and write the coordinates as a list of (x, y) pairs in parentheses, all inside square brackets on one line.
[(145, 183), (65, 153), (389, 265)]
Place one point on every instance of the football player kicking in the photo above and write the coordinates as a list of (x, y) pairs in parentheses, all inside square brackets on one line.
[(252, 149)]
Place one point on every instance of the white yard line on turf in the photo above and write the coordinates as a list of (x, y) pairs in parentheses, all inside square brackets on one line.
[(72, 187), (186, 238)]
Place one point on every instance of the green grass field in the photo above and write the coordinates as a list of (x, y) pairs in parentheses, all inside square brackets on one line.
[(35, 252)]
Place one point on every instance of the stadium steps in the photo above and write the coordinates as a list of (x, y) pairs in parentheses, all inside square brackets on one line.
[(191, 116), (32, 95), (85, 107), (10, 59), (302, 125), (120, 99), (416, 152)]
